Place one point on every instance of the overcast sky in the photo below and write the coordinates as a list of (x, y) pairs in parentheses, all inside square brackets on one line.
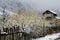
[(38, 5), (43, 5)]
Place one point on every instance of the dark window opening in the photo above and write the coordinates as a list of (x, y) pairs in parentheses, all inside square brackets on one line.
[(49, 18)]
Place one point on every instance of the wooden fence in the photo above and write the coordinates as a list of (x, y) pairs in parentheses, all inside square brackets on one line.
[(13, 34)]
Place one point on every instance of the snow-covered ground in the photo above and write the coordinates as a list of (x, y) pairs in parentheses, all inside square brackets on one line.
[(49, 37)]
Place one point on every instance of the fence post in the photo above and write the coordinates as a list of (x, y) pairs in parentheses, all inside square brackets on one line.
[(12, 34), (0, 34), (43, 28)]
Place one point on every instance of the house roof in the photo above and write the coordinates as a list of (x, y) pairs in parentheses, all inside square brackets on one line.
[(50, 12)]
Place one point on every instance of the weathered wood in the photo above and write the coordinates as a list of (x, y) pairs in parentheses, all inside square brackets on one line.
[(13, 34), (0, 34)]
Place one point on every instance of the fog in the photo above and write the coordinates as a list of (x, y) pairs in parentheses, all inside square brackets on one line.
[(42, 5), (36, 5)]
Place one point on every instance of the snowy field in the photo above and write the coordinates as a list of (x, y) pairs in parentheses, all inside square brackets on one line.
[(49, 37)]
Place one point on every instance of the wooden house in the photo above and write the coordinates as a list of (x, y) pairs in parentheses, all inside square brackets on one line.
[(49, 15)]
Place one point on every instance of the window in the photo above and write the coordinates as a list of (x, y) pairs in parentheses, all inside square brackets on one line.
[(49, 18)]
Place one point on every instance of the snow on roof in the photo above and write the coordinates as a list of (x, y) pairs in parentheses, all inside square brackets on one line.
[(52, 11), (58, 17)]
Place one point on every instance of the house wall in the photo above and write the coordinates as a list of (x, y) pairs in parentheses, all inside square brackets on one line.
[(49, 15)]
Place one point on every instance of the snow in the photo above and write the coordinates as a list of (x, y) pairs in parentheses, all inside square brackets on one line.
[(57, 17), (4, 33), (52, 11), (6, 11), (1, 13), (49, 37)]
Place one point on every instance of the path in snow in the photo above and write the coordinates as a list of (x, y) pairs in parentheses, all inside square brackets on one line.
[(49, 37)]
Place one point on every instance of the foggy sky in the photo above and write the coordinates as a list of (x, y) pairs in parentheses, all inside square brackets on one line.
[(37, 5), (42, 5)]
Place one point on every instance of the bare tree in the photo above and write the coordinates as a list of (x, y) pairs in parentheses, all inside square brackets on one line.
[(5, 14)]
